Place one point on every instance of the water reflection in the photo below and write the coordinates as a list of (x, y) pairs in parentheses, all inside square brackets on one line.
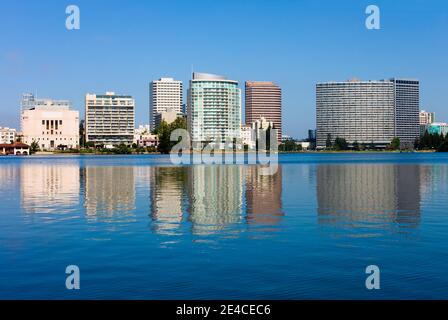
[(49, 188), (264, 197), (229, 199), (362, 194), (109, 190), (167, 189), (215, 197)]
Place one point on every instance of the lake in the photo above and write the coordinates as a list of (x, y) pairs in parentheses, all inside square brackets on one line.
[(140, 228)]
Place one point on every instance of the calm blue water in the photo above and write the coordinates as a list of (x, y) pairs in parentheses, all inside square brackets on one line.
[(140, 228)]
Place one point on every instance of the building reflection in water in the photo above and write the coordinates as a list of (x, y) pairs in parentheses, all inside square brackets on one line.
[(215, 197), (212, 197), (49, 188), (167, 189), (263, 197), (357, 194), (109, 190)]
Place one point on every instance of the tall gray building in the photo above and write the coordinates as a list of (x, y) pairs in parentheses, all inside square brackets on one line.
[(368, 111)]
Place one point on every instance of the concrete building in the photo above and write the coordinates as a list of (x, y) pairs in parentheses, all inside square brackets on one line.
[(214, 110), (264, 99), (165, 95), (7, 135), (248, 137), (50, 123), (109, 119), (167, 116), (427, 117), (368, 111)]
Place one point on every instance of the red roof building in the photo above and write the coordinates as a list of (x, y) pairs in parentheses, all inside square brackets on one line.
[(17, 148)]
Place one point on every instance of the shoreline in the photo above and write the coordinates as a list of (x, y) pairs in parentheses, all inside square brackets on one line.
[(56, 154)]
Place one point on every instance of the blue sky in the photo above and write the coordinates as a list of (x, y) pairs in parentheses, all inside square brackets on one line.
[(123, 45)]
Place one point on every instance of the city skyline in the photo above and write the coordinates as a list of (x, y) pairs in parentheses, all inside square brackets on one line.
[(60, 60)]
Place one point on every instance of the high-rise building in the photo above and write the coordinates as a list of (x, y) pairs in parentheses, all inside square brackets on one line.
[(368, 111), (214, 109), (264, 99), (50, 123), (110, 119), (165, 95)]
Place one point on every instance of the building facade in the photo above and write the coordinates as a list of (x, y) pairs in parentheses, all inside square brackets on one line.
[(264, 99), (165, 95), (7, 135), (167, 116), (214, 109), (427, 117), (51, 123), (109, 119), (368, 111)]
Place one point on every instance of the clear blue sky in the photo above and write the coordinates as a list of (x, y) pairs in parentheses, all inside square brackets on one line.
[(123, 45)]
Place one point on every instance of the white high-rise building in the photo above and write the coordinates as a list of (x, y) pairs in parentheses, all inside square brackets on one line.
[(214, 109), (110, 119), (165, 95), (369, 112), (50, 123)]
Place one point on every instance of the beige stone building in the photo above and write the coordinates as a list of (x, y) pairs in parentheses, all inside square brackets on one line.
[(51, 124)]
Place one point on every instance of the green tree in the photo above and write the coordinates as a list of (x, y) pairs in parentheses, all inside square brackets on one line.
[(290, 146), (340, 144), (89, 144), (444, 146), (356, 146), (122, 149), (329, 142), (394, 144), (82, 137), (164, 130), (34, 147)]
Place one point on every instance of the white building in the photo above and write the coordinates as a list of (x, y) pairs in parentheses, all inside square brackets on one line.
[(427, 117), (248, 137), (368, 112), (109, 119), (7, 135), (165, 95), (50, 123), (214, 110)]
